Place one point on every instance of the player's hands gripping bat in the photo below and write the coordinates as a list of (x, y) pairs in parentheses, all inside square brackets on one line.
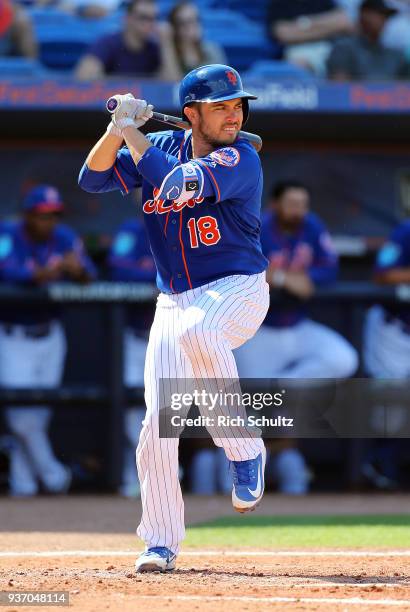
[(127, 110)]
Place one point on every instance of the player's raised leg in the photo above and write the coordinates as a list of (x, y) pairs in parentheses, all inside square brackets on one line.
[(219, 320)]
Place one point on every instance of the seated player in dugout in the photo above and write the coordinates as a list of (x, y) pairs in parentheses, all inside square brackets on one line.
[(201, 191), (387, 328), (289, 344), (301, 257), (130, 260), (36, 251), (386, 353)]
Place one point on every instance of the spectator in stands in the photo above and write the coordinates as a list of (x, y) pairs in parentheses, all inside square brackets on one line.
[(363, 56), (188, 48), (306, 29), (396, 30), (36, 251), (130, 260), (134, 51), (16, 31), (289, 344)]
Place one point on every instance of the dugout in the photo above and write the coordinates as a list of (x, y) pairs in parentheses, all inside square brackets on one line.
[(348, 142)]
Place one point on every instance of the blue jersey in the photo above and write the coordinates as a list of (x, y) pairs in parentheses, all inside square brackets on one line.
[(203, 239), (309, 250), (130, 260), (395, 253), (19, 256)]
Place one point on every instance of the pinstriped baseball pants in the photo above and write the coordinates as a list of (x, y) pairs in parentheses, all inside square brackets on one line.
[(192, 337)]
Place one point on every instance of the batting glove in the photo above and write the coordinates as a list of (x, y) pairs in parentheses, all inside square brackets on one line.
[(128, 111), (114, 131), (145, 116)]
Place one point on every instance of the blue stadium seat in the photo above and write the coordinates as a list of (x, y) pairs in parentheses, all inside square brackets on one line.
[(49, 16), (64, 38), (20, 67), (242, 56), (229, 23), (278, 70), (245, 41), (254, 10), (62, 54)]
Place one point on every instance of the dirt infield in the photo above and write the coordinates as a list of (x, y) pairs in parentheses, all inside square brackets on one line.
[(92, 557), (217, 582)]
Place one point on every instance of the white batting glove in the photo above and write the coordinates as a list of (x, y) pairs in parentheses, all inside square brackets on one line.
[(128, 111), (145, 116), (114, 131), (124, 108)]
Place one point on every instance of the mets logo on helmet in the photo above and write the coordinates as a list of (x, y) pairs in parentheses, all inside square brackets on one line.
[(228, 156), (231, 77)]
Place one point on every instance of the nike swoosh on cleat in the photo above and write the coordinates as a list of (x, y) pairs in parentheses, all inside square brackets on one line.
[(257, 492)]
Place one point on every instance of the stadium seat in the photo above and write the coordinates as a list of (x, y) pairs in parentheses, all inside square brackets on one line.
[(231, 24), (64, 38), (243, 56), (49, 16), (278, 69), (254, 10), (245, 41), (20, 67)]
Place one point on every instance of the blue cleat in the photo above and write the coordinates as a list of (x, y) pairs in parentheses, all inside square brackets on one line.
[(156, 559), (248, 483)]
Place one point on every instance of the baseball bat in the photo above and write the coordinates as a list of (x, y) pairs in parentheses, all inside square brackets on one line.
[(254, 139)]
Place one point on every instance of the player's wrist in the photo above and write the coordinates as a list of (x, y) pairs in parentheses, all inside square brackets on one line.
[(123, 123), (137, 144), (113, 130)]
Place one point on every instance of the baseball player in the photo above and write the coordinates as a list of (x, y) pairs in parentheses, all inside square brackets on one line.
[(201, 193), (301, 257), (289, 344), (386, 350), (387, 328), (36, 251), (130, 260)]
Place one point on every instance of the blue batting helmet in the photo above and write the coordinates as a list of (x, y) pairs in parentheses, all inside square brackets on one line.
[(213, 83)]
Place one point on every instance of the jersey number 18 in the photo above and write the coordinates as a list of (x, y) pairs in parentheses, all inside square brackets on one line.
[(204, 230)]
